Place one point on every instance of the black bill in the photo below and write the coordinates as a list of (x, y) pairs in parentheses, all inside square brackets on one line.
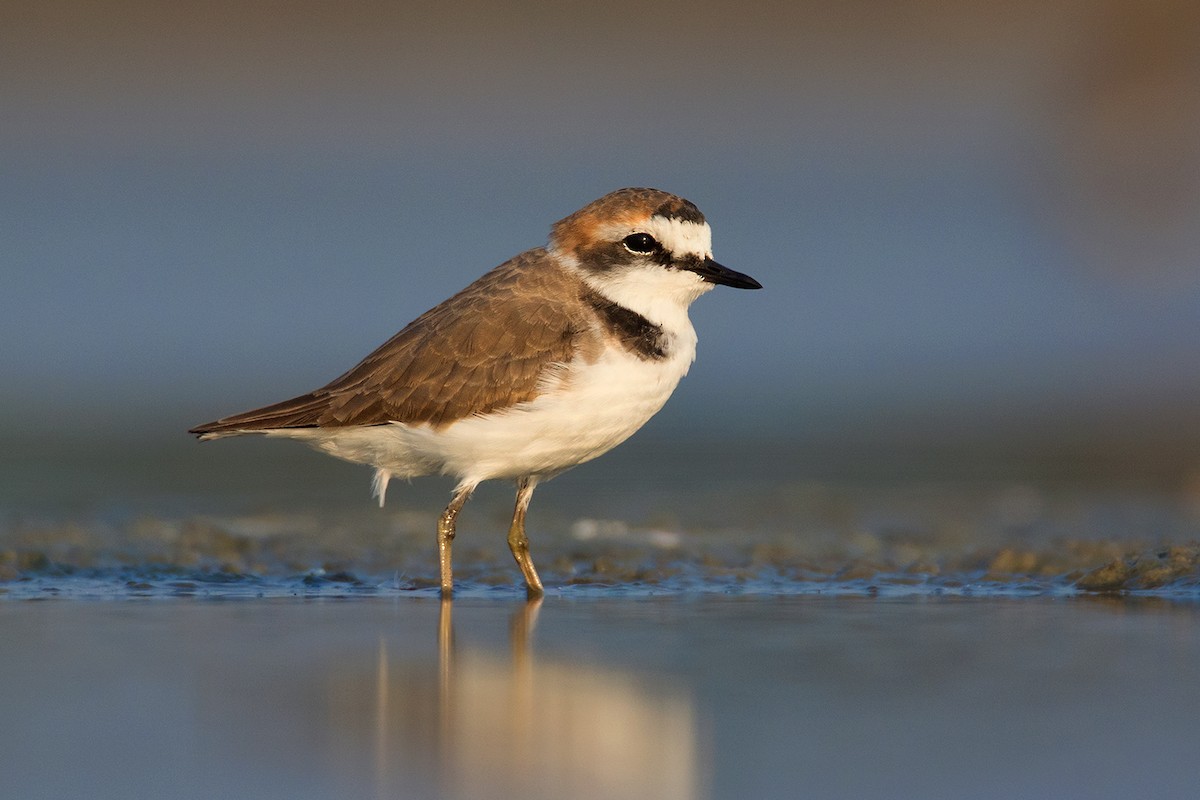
[(713, 272)]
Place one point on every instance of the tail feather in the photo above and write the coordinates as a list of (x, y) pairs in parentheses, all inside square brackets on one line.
[(299, 412)]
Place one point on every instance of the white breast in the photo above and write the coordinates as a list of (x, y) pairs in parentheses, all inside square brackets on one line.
[(596, 407)]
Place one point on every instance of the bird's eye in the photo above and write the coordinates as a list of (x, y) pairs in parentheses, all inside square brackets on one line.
[(640, 243)]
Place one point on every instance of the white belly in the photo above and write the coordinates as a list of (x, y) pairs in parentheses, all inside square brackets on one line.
[(594, 409)]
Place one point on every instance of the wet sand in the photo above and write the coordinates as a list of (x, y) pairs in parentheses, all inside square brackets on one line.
[(679, 696), (249, 519)]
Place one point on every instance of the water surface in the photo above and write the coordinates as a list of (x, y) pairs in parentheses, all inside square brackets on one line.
[(657, 698), (724, 622)]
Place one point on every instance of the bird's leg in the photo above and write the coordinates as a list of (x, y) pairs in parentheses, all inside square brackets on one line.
[(519, 543), (445, 530)]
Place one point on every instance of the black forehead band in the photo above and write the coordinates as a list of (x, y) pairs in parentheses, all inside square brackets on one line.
[(681, 210)]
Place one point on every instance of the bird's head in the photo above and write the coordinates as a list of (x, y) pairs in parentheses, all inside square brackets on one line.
[(643, 242)]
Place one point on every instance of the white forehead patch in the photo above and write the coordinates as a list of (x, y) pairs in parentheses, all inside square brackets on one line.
[(679, 236)]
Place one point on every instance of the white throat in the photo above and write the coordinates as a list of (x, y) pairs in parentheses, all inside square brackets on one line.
[(659, 294)]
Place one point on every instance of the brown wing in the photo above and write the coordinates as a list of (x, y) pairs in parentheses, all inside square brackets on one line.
[(484, 349)]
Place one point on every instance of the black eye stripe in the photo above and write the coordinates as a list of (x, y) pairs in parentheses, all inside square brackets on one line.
[(640, 243)]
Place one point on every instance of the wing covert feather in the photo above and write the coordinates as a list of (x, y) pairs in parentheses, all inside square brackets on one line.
[(484, 349)]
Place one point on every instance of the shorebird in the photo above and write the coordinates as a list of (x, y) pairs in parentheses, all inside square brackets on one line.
[(547, 361)]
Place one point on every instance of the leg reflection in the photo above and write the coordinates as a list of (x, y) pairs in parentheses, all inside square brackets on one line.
[(520, 724), (522, 714), (446, 710)]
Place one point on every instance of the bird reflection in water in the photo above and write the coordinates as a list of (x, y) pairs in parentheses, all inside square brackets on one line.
[(522, 727)]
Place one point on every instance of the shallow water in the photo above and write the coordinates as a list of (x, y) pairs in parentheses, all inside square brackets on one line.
[(238, 621), (258, 518), (657, 698)]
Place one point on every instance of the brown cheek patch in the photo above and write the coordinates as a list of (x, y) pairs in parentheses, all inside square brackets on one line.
[(602, 256)]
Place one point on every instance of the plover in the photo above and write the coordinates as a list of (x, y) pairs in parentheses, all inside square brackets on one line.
[(551, 359)]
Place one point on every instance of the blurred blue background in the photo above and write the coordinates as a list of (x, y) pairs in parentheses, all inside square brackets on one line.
[(978, 225)]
